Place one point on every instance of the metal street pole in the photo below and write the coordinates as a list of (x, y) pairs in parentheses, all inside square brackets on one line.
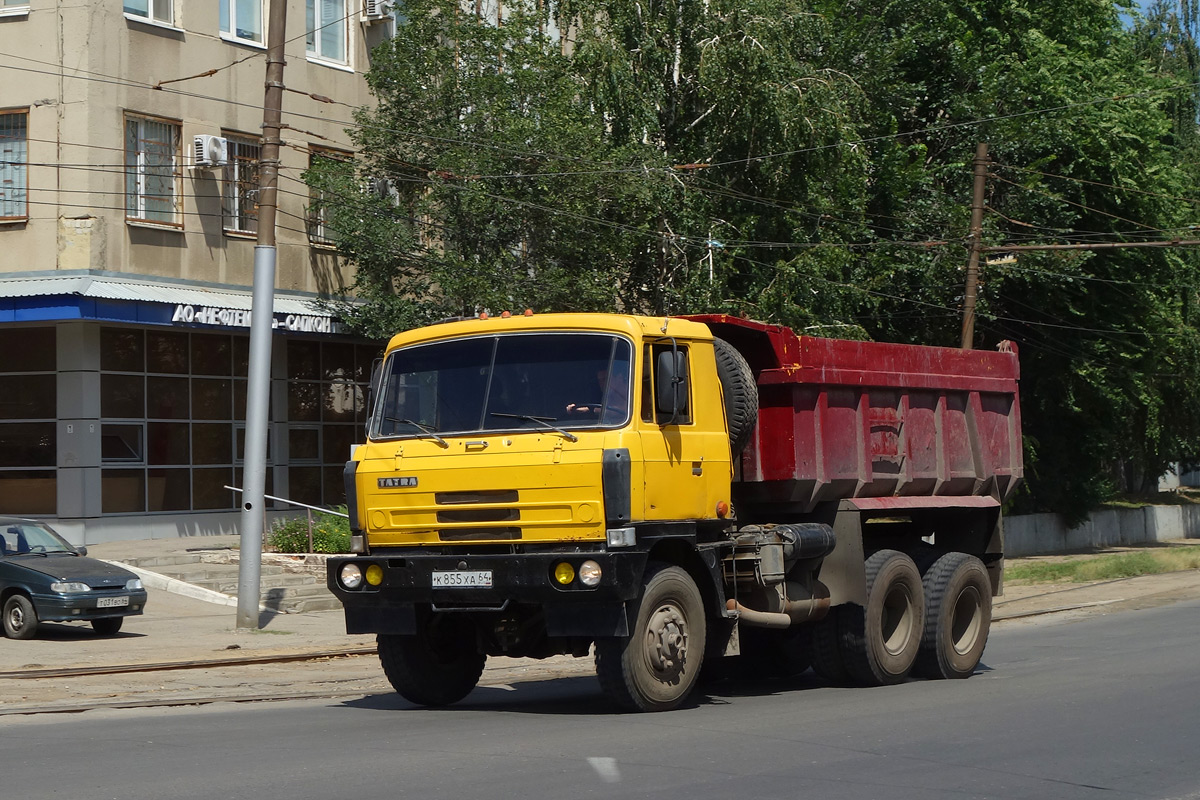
[(968, 322), (258, 386)]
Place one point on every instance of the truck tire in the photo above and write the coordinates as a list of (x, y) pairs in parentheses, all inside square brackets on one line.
[(436, 667), (655, 668), (958, 617), (740, 392), (768, 653), (881, 642), (827, 659)]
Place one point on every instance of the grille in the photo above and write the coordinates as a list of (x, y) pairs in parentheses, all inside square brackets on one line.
[(478, 534), (484, 496)]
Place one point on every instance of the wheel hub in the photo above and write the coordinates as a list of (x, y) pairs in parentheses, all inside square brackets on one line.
[(666, 640), (16, 618)]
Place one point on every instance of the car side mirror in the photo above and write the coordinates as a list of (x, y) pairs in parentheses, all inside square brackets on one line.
[(81, 550)]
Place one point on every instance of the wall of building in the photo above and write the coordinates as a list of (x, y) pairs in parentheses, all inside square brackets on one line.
[(81, 68)]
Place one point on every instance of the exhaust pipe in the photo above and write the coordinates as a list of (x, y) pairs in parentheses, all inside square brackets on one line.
[(791, 612)]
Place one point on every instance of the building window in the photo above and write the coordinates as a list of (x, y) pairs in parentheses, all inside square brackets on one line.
[(152, 175), (327, 30), (242, 20), (326, 415), (154, 10), (14, 158), (28, 427), (241, 184), (14, 8), (171, 403), (326, 164)]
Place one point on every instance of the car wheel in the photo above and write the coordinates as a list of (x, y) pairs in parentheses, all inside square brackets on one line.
[(20, 620), (107, 626)]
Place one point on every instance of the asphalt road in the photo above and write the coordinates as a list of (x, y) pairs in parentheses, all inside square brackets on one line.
[(1099, 707)]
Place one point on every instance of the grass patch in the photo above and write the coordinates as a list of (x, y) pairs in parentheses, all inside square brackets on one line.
[(1106, 567)]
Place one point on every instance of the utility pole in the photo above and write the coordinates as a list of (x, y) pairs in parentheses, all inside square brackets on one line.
[(976, 236), (258, 385)]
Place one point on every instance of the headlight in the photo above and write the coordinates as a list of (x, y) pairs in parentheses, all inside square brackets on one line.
[(589, 573), (134, 584), (374, 574), (564, 573), (351, 576), (67, 587)]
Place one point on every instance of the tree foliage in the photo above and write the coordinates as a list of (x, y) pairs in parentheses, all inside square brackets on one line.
[(808, 163)]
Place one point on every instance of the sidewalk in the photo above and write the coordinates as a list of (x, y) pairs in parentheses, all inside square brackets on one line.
[(180, 628)]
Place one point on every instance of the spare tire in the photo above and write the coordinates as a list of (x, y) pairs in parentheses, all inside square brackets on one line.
[(741, 395)]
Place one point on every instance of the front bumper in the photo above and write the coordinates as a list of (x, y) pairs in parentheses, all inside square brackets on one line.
[(524, 579), (84, 606)]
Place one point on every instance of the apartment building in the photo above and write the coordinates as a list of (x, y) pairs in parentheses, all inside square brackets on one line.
[(129, 148)]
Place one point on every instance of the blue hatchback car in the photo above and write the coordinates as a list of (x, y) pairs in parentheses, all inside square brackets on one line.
[(43, 578)]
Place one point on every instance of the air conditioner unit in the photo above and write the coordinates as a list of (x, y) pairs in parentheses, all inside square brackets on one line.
[(210, 151), (376, 10)]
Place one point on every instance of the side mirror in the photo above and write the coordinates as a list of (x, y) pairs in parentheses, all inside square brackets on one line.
[(373, 390), (81, 549), (670, 377)]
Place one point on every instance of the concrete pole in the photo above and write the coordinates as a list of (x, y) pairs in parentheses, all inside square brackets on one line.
[(968, 322), (258, 385)]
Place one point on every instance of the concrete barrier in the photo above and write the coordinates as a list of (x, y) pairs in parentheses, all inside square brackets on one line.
[(1038, 534)]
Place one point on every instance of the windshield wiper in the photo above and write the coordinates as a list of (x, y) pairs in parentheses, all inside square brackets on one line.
[(425, 429), (544, 421)]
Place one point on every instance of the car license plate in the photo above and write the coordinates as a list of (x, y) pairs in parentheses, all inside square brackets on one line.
[(112, 602), (464, 579)]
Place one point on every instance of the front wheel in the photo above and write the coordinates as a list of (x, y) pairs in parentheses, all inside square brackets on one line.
[(656, 667), (436, 667), (20, 618), (958, 617), (107, 626)]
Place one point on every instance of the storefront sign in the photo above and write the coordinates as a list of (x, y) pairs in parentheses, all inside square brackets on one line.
[(240, 318)]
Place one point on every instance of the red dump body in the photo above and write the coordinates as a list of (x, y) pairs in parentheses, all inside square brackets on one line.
[(843, 419)]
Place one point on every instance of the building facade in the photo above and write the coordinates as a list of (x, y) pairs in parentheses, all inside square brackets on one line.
[(129, 149)]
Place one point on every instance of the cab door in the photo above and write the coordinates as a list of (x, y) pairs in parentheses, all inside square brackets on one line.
[(685, 450)]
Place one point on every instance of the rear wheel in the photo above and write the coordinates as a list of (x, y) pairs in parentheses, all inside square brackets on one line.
[(20, 618), (107, 626), (958, 617), (656, 667), (437, 666), (881, 642)]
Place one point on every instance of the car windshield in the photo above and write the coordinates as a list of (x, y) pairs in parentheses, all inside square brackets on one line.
[(545, 381), (17, 538)]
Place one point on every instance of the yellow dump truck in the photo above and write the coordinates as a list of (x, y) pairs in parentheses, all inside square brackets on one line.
[(662, 491)]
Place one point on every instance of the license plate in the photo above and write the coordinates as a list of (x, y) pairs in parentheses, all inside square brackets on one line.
[(478, 579), (112, 602)]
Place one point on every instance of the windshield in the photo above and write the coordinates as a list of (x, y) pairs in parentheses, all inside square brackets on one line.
[(514, 381), (29, 537)]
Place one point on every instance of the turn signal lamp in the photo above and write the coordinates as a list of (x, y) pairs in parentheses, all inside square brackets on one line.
[(374, 574), (564, 573), (722, 509)]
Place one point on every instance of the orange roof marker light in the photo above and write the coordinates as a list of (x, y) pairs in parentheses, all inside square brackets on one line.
[(483, 315), (505, 314), (529, 312)]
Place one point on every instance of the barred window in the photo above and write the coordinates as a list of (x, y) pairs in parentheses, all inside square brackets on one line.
[(152, 176), (320, 200), (14, 160), (241, 184)]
